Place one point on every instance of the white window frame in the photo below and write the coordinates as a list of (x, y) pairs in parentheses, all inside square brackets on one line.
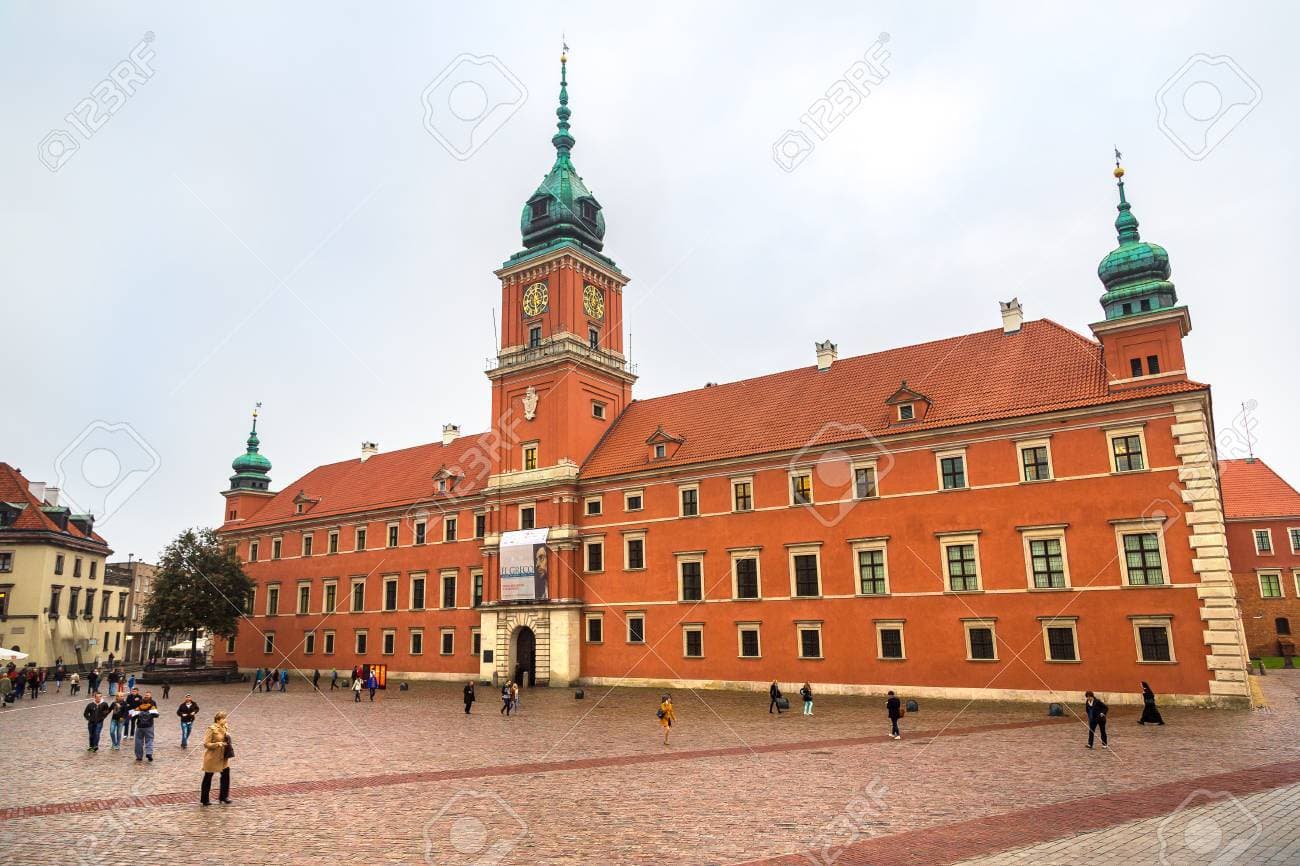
[(420, 533), (661, 451), (1114, 433), (793, 550), (451, 527), (443, 634), (1133, 527), (940, 456), (737, 553), (476, 640), (627, 627), (744, 479), (1293, 536), (268, 643), (410, 641), (860, 546), (1024, 444), (990, 623), (1151, 621), (1271, 572), (757, 629), (898, 625), (1072, 623), (587, 620), (277, 551), (587, 545), (687, 628), (681, 504), (911, 411), (358, 635), (1268, 533), (393, 535), (332, 542), (599, 410), (384, 636), (308, 544), (1044, 533), (597, 501), (525, 506), (327, 642), (324, 595), (947, 541), (629, 537), (410, 590), (273, 593), (254, 550), (683, 558), (1295, 575), (298, 606), (357, 532), (858, 465), (524, 450), (352, 593), (391, 580), (445, 575), (789, 487), (811, 625), (628, 494)]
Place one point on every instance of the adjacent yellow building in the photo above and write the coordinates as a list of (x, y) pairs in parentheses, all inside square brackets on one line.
[(54, 600)]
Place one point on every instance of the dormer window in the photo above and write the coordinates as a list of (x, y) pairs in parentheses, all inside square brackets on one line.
[(588, 211), (661, 451), (540, 208), (906, 412)]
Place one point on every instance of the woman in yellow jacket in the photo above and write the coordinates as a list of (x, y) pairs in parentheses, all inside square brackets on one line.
[(216, 749), (666, 716)]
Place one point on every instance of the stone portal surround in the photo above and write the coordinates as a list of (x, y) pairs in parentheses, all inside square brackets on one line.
[(540, 622)]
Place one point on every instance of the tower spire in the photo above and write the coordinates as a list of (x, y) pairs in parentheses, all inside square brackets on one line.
[(1135, 273), (251, 468), (562, 140), (1126, 225)]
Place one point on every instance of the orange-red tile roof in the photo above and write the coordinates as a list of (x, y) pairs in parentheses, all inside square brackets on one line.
[(16, 489), (1252, 489), (385, 480), (977, 377)]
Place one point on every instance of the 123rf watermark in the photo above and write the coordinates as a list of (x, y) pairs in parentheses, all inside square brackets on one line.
[(828, 112), (106, 99), (1204, 101)]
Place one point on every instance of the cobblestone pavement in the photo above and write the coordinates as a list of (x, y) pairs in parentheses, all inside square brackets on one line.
[(410, 778)]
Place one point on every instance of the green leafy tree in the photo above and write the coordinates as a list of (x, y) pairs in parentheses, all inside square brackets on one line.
[(199, 585)]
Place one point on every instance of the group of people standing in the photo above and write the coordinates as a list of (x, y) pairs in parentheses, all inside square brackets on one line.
[(270, 678)]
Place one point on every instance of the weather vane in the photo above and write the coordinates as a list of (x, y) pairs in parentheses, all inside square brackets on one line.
[(257, 408), (1118, 157)]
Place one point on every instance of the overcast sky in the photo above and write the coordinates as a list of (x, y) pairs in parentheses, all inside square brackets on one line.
[(267, 217)]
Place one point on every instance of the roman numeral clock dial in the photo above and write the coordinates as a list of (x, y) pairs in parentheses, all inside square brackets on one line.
[(536, 299), (593, 302)]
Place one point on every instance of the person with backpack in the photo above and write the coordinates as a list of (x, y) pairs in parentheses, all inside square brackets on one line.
[(334, 679), (666, 715), (806, 694), (74, 684), (774, 693), (284, 678), (133, 702), (145, 714), (894, 707), (1096, 710), (372, 684), (469, 696), (505, 700)]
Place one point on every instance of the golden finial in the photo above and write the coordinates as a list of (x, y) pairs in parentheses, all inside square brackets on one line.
[(564, 49), (1119, 169)]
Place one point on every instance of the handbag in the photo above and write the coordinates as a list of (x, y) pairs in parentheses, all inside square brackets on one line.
[(783, 703), (230, 748)]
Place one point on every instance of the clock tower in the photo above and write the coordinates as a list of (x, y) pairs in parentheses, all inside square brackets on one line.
[(560, 379)]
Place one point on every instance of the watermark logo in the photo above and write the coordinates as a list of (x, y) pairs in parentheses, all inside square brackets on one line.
[(474, 828), (828, 112), (850, 826), (103, 467), (1209, 827), (469, 101), (105, 100), (839, 467), (1203, 102)]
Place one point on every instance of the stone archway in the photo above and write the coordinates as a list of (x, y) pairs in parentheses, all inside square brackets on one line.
[(523, 657), (509, 627)]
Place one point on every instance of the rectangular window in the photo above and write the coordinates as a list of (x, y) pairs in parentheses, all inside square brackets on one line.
[(1047, 563), (632, 500), (309, 643), (74, 594), (871, 572), (692, 574), (252, 557), (1135, 367), (420, 528), (1270, 584), (388, 642), (593, 338), (449, 528), (306, 545), (58, 563), (1061, 643), (1263, 541), (693, 641), (480, 525), (530, 456), (980, 644), (250, 601), (635, 553), (104, 599), (331, 598), (1126, 452), (361, 642), (390, 593), (89, 610), (230, 645), (595, 628), (746, 570), (304, 598), (534, 336), (475, 642), (1034, 463), (1153, 364), (268, 642), (94, 569), (358, 596), (801, 492), (327, 643), (121, 605), (1153, 643), (448, 591), (742, 495), (417, 642), (636, 628), (952, 472), (333, 544), (6, 562), (477, 578), (906, 412), (392, 535), (595, 556), (807, 580), (272, 600), (361, 539), (1142, 559), (276, 546), (417, 593), (527, 517), (963, 575), (690, 501), (810, 641), (53, 609), (864, 482), (749, 644), (76, 566), (448, 638), (594, 506), (889, 638), (598, 410), (1294, 534)]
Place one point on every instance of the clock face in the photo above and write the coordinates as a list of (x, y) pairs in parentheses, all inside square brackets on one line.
[(535, 299), (593, 301)]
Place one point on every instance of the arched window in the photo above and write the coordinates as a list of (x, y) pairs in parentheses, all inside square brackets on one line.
[(1283, 625)]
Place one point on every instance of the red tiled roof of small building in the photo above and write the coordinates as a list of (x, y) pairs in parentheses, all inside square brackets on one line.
[(15, 488), (977, 377), (1252, 489)]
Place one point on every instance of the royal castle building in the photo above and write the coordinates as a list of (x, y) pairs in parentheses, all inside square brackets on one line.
[(1015, 513)]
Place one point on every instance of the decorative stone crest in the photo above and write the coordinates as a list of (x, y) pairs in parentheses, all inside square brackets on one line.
[(530, 403)]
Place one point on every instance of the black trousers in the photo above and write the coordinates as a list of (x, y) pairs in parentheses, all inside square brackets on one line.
[(223, 793), (1098, 724), (773, 706)]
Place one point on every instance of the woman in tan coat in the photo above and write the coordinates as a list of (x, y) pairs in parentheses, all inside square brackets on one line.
[(217, 750)]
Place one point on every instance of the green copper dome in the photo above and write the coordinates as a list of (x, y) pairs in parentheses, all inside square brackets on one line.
[(1136, 273), (251, 468), (562, 208)]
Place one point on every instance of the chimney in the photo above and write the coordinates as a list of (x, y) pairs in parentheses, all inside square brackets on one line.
[(37, 489), (826, 355), (449, 433), (51, 496), (368, 450), (1012, 315)]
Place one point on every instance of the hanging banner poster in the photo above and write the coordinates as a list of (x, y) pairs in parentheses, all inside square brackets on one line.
[(525, 565)]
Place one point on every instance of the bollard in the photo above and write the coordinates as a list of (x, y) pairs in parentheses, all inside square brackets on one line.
[(913, 707), (1055, 710), (404, 687), (579, 695)]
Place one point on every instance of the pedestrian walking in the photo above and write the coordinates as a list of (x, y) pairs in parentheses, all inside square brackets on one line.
[(257, 680), (1096, 711), (117, 723), (130, 682), (6, 691), (1150, 715), (356, 690), (133, 702), (666, 715), (41, 680), (469, 696), (218, 749), (60, 673), (334, 679), (112, 681), (145, 714), (505, 700), (187, 711), (94, 679), (284, 678), (315, 680), (514, 698), (372, 684), (272, 677), (774, 693), (74, 684), (167, 690), (34, 683), (894, 707), (807, 695), (95, 713)]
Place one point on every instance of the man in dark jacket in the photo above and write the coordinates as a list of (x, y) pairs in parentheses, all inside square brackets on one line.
[(133, 702), (1096, 710), (146, 711), (894, 707), (469, 696), (187, 711), (774, 693), (94, 714)]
